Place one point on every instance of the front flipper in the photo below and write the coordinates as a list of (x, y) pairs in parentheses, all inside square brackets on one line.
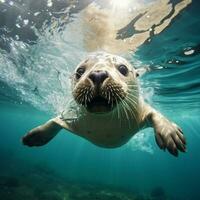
[(41, 135), (167, 134)]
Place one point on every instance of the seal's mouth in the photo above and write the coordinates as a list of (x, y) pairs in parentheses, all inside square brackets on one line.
[(99, 105), (102, 99)]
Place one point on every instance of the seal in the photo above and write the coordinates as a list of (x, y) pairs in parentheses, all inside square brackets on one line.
[(112, 110)]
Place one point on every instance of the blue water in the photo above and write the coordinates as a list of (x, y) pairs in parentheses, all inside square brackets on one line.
[(34, 86)]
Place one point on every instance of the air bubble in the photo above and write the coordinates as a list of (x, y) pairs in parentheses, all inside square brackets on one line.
[(19, 18), (11, 3), (189, 52), (25, 21), (149, 40), (17, 25), (49, 3), (17, 37), (159, 67), (36, 13)]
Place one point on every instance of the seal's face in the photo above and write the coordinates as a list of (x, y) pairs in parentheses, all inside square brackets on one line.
[(102, 81)]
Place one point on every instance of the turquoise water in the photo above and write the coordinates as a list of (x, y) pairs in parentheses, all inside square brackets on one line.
[(34, 86)]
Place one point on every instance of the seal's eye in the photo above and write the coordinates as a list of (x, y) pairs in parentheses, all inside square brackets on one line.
[(79, 72), (123, 70)]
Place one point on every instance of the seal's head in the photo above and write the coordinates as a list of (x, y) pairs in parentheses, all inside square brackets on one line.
[(102, 81)]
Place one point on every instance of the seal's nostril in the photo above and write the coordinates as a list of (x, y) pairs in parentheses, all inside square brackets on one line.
[(98, 77)]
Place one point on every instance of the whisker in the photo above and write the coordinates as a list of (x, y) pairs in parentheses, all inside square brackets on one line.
[(134, 101), (131, 112), (124, 109), (117, 109), (130, 104)]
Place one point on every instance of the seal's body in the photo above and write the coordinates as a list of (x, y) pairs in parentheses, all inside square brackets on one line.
[(106, 89), (105, 130)]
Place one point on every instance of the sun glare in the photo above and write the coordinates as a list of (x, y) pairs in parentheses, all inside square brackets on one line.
[(120, 4)]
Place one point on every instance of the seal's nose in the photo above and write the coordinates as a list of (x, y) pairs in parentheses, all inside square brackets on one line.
[(98, 76)]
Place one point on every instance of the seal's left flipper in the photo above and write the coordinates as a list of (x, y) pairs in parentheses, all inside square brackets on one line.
[(168, 135)]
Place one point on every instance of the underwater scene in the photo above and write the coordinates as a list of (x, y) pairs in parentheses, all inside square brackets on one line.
[(41, 44)]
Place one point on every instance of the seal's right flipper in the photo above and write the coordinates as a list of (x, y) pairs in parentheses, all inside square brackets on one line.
[(41, 135)]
